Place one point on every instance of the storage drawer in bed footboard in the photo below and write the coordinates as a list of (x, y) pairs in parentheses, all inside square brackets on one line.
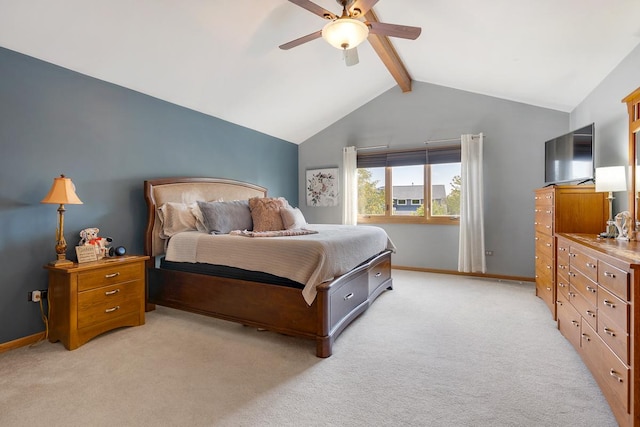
[(344, 299)]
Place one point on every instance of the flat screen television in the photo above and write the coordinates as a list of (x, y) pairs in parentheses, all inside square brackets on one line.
[(569, 157)]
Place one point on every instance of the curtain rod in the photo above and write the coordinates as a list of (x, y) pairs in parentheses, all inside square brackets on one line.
[(374, 147), (436, 141)]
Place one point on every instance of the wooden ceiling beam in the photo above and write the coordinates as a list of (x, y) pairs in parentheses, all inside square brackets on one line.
[(387, 53)]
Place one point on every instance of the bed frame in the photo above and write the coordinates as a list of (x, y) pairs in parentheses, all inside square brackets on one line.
[(337, 303)]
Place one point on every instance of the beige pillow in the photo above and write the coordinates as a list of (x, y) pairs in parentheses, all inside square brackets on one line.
[(175, 218), (265, 213), (292, 218)]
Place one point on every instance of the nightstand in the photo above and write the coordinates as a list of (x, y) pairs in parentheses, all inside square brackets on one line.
[(91, 298)]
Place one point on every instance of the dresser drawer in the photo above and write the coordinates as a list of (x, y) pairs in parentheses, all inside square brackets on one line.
[(544, 198), (102, 304), (583, 307), (544, 244), (562, 252), (583, 285), (349, 296), (568, 321), (586, 264), (610, 372), (110, 274), (614, 308), (544, 220), (614, 336), (614, 279), (562, 283)]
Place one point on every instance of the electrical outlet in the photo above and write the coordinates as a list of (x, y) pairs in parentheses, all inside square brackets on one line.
[(35, 296)]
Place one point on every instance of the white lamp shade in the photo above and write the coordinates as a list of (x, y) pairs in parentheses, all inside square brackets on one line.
[(62, 192), (345, 33), (611, 178)]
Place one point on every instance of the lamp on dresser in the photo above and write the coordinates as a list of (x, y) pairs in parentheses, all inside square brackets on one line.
[(610, 179), (62, 192)]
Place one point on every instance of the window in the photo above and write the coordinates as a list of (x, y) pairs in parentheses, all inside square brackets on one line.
[(393, 186)]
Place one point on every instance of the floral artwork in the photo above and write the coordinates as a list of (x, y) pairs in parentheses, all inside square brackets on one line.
[(322, 187)]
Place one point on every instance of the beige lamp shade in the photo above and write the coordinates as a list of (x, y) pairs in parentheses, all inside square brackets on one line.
[(345, 33), (62, 192)]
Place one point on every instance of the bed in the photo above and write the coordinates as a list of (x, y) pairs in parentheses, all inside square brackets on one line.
[(274, 290)]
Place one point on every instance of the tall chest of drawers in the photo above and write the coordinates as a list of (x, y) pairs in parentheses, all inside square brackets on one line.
[(598, 290), (86, 300), (562, 209)]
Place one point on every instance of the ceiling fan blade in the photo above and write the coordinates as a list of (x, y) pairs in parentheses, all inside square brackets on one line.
[(301, 40), (350, 56), (393, 30), (360, 7), (314, 8)]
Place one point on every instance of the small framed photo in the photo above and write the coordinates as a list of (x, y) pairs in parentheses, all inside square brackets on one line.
[(322, 187), (86, 253)]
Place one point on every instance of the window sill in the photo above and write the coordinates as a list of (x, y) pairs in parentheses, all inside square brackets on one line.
[(380, 219)]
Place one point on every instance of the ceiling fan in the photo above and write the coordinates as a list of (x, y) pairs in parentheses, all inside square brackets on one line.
[(348, 30)]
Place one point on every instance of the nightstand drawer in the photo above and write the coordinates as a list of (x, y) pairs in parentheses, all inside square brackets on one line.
[(110, 274), (101, 304)]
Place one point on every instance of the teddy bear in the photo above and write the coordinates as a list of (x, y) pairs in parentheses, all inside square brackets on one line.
[(89, 236)]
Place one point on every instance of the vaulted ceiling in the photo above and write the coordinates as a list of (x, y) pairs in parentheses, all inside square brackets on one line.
[(221, 57)]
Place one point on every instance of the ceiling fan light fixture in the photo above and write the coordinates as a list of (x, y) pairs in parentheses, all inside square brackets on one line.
[(345, 33)]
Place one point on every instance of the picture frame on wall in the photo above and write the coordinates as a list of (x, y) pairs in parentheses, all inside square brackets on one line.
[(322, 187)]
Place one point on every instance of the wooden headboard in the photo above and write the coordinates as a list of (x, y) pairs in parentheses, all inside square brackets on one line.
[(188, 190)]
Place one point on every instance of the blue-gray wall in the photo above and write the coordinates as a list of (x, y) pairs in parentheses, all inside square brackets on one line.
[(108, 140), (513, 167)]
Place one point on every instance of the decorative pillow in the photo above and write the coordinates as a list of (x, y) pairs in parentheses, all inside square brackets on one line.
[(292, 218), (222, 217), (265, 213), (176, 217)]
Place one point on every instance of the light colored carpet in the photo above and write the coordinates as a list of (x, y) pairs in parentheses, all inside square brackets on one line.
[(438, 350)]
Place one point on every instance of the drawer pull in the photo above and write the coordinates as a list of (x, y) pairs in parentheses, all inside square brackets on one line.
[(111, 276), (548, 245), (591, 313), (571, 294), (588, 264), (611, 275), (559, 302), (378, 274), (115, 291), (609, 332), (572, 255), (616, 375), (586, 337), (548, 267), (572, 274), (592, 290), (548, 288), (111, 310), (562, 249), (575, 323), (609, 303), (348, 296), (562, 285)]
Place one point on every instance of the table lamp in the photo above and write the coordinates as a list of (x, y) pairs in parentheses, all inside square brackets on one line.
[(610, 179), (62, 192)]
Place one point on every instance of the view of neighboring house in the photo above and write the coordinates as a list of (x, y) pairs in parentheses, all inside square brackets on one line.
[(408, 198)]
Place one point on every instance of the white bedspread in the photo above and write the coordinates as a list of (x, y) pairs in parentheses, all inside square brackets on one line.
[(310, 259)]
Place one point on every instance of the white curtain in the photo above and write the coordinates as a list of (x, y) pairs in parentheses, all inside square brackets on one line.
[(471, 257), (350, 186)]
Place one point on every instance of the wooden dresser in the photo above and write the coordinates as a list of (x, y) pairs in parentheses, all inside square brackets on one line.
[(563, 209), (88, 299), (598, 314)]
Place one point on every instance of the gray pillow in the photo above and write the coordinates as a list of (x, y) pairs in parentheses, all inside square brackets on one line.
[(223, 217)]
